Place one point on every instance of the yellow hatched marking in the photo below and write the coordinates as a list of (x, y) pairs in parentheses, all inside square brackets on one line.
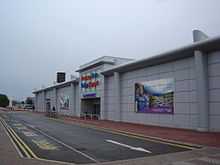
[(21, 127), (17, 125), (8, 129), (19, 139), (29, 133), (19, 144), (45, 145)]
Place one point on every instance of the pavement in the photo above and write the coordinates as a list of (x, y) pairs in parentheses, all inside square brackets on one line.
[(209, 141)]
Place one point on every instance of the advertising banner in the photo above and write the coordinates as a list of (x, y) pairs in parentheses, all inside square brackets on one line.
[(64, 101), (155, 96)]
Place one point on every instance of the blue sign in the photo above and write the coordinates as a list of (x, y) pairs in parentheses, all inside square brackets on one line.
[(89, 95)]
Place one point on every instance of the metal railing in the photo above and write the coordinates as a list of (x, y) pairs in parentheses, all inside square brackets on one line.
[(71, 115)]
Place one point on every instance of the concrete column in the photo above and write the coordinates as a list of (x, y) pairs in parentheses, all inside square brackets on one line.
[(80, 99), (44, 102), (73, 98), (103, 109), (55, 98), (118, 107), (36, 100), (57, 101), (201, 67)]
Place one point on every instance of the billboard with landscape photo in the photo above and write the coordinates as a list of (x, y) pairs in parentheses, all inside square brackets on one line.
[(155, 96)]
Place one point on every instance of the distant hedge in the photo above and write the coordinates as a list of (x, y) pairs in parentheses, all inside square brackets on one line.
[(4, 101)]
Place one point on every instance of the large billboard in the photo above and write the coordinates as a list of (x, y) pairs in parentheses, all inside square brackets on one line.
[(155, 96), (64, 101)]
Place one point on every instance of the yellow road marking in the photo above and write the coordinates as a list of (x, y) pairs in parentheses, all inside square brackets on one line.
[(152, 140), (29, 133), (17, 124), (45, 145), (21, 127), (79, 152), (105, 130), (27, 154), (35, 157), (132, 136), (28, 149), (9, 136)]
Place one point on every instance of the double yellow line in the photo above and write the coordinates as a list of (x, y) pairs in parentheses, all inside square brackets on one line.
[(127, 134), (27, 152)]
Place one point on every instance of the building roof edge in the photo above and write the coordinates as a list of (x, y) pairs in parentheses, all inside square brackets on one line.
[(210, 44)]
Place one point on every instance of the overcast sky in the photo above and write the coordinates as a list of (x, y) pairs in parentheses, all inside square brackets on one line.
[(40, 37)]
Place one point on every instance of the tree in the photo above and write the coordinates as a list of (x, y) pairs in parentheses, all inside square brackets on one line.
[(29, 101), (15, 102), (4, 101)]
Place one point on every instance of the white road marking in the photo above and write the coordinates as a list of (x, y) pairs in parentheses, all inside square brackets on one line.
[(30, 125), (130, 147), (87, 156)]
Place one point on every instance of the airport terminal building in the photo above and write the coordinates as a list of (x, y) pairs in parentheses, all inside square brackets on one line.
[(179, 88)]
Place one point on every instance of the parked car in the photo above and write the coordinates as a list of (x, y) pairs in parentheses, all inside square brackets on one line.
[(28, 106)]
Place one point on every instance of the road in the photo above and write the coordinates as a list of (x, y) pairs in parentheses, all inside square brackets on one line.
[(51, 139)]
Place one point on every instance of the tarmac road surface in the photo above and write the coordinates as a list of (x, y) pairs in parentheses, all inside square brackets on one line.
[(45, 138)]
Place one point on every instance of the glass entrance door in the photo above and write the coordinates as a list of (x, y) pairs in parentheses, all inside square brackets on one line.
[(48, 106), (97, 109)]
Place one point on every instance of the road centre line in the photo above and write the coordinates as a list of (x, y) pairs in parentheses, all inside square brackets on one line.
[(87, 156), (122, 133)]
